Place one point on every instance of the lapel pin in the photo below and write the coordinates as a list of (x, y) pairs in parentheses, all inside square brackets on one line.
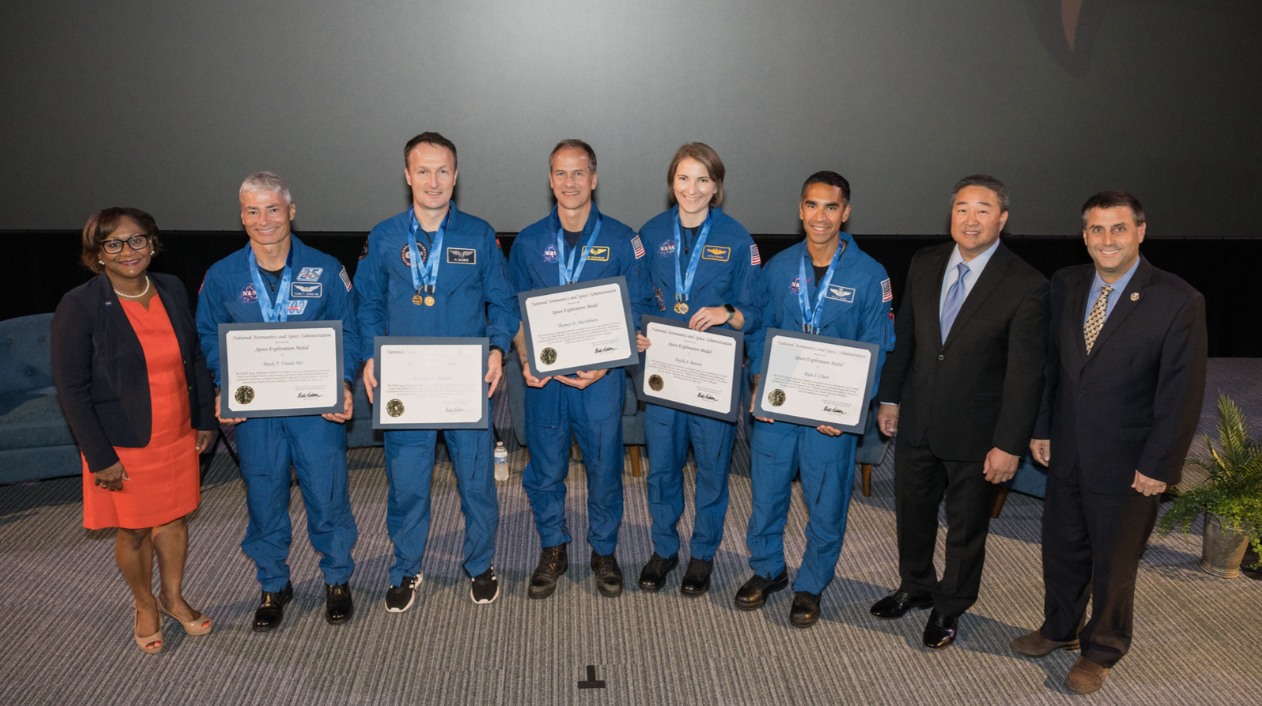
[(1135, 296)]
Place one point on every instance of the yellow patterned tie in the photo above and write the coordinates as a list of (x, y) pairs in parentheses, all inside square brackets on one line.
[(1096, 321)]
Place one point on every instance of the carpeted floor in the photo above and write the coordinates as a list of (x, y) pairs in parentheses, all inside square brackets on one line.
[(66, 633)]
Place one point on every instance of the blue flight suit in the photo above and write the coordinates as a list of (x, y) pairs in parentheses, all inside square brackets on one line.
[(471, 276), (727, 273), (320, 291), (592, 415), (857, 308)]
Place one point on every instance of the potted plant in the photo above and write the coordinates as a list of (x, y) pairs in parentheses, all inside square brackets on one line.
[(1231, 496)]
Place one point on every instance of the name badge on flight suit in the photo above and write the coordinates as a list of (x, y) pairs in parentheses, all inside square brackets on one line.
[(298, 290), (462, 256), (599, 253), (839, 293), (716, 253)]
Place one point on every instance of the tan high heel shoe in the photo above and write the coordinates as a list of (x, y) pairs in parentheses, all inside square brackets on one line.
[(151, 644), (197, 626)]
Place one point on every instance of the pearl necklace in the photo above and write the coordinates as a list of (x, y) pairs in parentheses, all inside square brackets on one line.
[(135, 296)]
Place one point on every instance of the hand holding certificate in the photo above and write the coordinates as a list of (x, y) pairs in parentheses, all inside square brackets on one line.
[(816, 380), (585, 326), (281, 369), (693, 371), (431, 383)]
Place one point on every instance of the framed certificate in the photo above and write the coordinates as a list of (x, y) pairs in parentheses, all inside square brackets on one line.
[(813, 380), (584, 326), (281, 369), (692, 371), (426, 382)]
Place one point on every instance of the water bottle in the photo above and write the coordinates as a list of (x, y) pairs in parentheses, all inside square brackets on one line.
[(501, 461)]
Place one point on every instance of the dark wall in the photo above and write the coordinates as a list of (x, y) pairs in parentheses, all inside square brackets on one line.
[(167, 106), (1224, 270)]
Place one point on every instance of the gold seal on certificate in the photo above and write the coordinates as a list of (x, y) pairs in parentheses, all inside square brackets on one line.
[(655, 382), (681, 308), (394, 408), (244, 394), (548, 356), (776, 398)]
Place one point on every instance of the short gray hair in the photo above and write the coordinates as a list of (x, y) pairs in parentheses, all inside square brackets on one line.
[(266, 181)]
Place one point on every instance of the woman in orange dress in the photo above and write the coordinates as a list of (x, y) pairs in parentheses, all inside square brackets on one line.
[(132, 381)]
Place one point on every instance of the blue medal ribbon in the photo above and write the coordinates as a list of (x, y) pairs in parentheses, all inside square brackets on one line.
[(810, 316), (425, 272), (567, 272), (683, 285), (277, 312)]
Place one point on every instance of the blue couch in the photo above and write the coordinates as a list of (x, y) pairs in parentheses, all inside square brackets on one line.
[(35, 441)]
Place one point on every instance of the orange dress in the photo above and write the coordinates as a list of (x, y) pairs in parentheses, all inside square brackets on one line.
[(165, 481)]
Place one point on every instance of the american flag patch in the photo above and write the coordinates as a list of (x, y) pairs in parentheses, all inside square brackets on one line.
[(346, 279), (754, 257), (639, 247), (887, 292)]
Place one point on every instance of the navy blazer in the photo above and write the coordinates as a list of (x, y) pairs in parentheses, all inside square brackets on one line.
[(99, 368), (1132, 404)]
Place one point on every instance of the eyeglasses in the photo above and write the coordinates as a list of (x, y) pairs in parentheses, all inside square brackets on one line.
[(115, 246)]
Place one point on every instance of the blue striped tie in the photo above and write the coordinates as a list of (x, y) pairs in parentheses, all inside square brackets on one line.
[(954, 300)]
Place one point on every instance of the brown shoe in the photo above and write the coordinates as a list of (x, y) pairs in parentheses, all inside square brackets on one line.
[(1085, 676), (1033, 644)]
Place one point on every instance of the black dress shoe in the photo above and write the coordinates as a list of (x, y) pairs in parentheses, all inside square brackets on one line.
[(697, 577), (898, 604), (553, 561), (271, 610), (754, 593), (805, 611), (940, 630), (653, 575), (608, 574), (338, 605)]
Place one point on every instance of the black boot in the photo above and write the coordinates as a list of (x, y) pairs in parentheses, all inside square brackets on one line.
[(553, 562), (271, 610), (338, 604), (608, 574), (697, 577), (654, 574), (754, 593)]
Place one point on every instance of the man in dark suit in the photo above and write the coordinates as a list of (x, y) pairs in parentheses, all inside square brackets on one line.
[(1125, 379), (966, 377)]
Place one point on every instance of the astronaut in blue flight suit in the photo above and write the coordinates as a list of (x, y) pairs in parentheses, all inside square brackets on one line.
[(704, 269), (854, 305), (432, 271), (576, 243), (278, 278)]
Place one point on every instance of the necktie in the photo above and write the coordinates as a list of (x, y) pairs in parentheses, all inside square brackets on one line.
[(954, 299), (1095, 321)]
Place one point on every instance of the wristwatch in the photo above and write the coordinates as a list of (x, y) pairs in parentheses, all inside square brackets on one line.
[(731, 311)]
